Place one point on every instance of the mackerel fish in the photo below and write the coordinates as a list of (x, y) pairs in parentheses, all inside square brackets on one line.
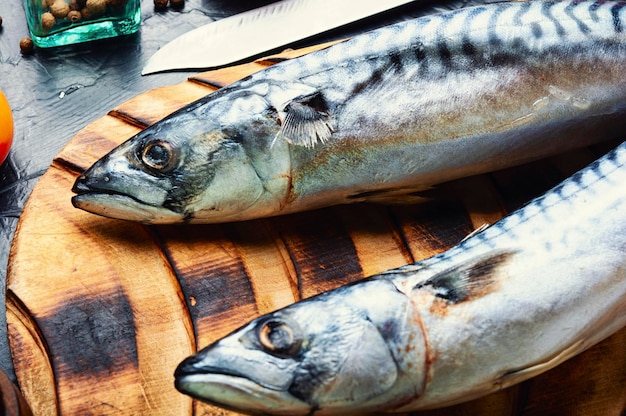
[(394, 111), (506, 304)]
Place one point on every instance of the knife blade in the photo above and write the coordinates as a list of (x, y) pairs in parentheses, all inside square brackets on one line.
[(259, 30)]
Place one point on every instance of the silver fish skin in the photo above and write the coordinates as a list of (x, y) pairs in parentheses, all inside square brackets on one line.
[(506, 304), (393, 111)]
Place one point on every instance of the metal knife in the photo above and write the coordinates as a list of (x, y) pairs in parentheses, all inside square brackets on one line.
[(260, 30)]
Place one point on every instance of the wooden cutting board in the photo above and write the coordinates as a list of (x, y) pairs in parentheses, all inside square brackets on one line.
[(101, 311)]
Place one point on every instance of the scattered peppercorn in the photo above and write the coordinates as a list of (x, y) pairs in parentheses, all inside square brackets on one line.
[(177, 4), (26, 46), (160, 4)]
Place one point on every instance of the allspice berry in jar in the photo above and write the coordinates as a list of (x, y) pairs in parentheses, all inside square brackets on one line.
[(63, 22), (59, 9)]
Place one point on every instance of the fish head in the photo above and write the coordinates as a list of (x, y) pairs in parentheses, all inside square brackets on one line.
[(209, 163), (332, 354)]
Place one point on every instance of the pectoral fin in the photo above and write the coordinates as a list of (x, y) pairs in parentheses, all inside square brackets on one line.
[(469, 280), (307, 121)]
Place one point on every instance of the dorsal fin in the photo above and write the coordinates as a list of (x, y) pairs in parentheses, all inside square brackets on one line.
[(472, 279), (307, 121)]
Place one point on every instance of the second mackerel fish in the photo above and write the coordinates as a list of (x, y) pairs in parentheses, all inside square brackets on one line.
[(390, 112), (506, 304)]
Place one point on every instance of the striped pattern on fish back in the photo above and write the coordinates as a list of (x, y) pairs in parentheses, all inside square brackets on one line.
[(578, 204), (584, 212), (476, 36)]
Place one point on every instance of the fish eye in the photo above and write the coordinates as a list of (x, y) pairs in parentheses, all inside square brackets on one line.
[(158, 155), (279, 337)]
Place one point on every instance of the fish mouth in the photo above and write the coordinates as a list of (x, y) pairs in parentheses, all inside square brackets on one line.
[(84, 191), (192, 368), (111, 204), (108, 202), (235, 391)]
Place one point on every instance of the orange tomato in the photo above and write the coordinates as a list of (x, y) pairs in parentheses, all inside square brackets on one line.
[(6, 127)]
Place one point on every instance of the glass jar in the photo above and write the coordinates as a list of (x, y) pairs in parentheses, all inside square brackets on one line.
[(63, 22)]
